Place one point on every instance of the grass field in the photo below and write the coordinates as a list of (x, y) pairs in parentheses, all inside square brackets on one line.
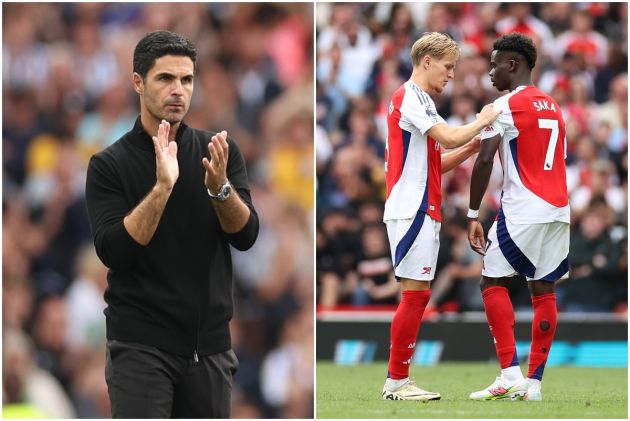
[(568, 392)]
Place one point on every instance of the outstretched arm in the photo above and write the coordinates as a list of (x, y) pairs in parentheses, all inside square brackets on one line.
[(452, 137), (452, 159), (478, 185)]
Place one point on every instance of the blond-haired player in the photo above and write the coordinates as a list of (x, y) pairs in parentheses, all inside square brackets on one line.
[(414, 164)]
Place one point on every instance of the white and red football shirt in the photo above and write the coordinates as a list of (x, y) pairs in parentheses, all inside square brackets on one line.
[(532, 152), (413, 160)]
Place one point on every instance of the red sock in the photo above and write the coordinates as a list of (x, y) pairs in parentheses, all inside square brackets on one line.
[(404, 331), (500, 316), (543, 330)]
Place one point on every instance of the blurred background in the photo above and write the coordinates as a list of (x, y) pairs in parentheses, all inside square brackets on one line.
[(67, 93), (363, 57)]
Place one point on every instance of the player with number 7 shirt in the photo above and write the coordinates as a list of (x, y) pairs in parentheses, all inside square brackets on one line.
[(530, 235)]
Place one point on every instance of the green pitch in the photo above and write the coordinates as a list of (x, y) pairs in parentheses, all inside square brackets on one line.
[(568, 392)]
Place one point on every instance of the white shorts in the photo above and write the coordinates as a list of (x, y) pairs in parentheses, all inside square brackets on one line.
[(414, 245), (538, 251)]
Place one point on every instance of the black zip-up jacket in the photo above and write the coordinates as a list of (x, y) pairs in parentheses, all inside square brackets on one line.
[(176, 292)]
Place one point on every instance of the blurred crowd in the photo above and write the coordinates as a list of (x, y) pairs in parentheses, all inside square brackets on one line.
[(363, 57), (67, 93)]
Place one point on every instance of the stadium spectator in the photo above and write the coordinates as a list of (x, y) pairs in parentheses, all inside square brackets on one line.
[(401, 33), (457, 286), (24, 382), (614, 112), (283, 385), (582, 39), (110, 119), (439, 18), (520, 19), (479, 27), (571, 66), (344, 17), (49, 331), (600, 185), (374, 278), (17, 298), (595, 259), (85, 303), (346, 53), (337, 250), (557, 15), (463, 110)]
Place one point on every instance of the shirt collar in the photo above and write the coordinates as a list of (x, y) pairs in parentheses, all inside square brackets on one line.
[(143, 139)]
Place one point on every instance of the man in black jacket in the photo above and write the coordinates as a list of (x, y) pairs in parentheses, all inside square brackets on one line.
[(165, 202)]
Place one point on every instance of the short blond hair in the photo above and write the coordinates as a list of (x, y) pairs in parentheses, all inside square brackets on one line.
[(435, 45)]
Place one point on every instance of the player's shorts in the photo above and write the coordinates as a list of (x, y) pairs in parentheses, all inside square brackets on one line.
[(414, 245), (537, 251)]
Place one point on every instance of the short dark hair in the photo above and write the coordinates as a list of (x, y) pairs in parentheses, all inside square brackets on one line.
[(157, 44), (520, 44)]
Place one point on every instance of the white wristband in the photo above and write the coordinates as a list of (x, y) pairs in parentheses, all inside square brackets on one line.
[(473, 213)]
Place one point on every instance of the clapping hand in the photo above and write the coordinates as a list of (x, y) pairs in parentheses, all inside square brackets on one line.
[(216, 167), (166, 166)]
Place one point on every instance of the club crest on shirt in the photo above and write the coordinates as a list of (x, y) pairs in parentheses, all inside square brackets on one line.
[(391, 107)]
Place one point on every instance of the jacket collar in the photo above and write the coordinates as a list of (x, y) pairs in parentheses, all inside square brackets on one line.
[(143, 140)]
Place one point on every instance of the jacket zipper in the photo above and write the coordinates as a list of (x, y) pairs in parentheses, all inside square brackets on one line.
[(195, 354)]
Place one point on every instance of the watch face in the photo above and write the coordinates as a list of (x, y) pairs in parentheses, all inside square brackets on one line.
[(225, 192)]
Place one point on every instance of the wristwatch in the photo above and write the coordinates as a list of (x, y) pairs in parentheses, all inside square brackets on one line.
[(224, 192)]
